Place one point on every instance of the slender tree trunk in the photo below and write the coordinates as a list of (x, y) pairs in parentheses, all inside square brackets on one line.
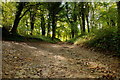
[(75, 21), (83, 19), (66, 37), (72, 32), (43, 25), (83, 23), (72, 29), (80, 22), (32, 20), (92, 19), (87, 24), (87, 16), (53, 27), (48, 31)]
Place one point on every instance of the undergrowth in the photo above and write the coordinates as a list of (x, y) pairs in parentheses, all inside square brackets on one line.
[(103, 39), (44, 38), (31, 38)]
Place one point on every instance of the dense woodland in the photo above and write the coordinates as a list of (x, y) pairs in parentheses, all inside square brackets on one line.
[(95, 24), (60, 40)]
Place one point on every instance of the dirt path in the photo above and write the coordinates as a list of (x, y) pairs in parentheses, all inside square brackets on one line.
[(43, 60)]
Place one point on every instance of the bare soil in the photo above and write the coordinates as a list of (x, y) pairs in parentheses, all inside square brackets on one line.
[(61, 60)]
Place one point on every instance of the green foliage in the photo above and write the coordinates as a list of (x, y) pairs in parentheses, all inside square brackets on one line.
[(104, 39), (49, 39), (8, 11), (30, 38), (84, 38), (43, 38), (72, 40)]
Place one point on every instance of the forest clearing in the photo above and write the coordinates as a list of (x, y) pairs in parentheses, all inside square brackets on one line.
[(60, 40)]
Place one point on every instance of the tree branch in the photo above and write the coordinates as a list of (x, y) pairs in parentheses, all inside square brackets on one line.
[(24, 13)]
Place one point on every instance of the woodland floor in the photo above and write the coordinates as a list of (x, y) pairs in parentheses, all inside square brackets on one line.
[(61, 60)]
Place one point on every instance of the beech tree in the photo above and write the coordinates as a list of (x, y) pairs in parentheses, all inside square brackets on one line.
[(18, 16)]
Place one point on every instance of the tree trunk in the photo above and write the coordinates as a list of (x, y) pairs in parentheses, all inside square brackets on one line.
[(87, 23), (48, 31), (118, 8), (74, 22), (87, 16), (83, 19), (32, 20), (53, 27), (72, 29), (118, 24), (72, 32), (43, 25), (17, 17), (14, 29), (83, 22)]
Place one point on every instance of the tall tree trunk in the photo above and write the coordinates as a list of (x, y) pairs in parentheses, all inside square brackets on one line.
[(43, 24), (83, 22), (83, 19), (87, 23), (17, 17), (32, 20), (48, 30), (87, 15), (81, 26), (93, 23), (53, 27), (74, 21)]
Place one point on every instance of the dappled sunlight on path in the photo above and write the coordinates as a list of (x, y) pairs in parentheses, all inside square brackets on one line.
[(41, 59)]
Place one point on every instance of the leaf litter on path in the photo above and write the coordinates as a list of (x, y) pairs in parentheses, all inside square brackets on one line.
[(40, 60)]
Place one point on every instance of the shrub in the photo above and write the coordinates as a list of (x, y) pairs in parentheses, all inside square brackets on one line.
[(105, 39)]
